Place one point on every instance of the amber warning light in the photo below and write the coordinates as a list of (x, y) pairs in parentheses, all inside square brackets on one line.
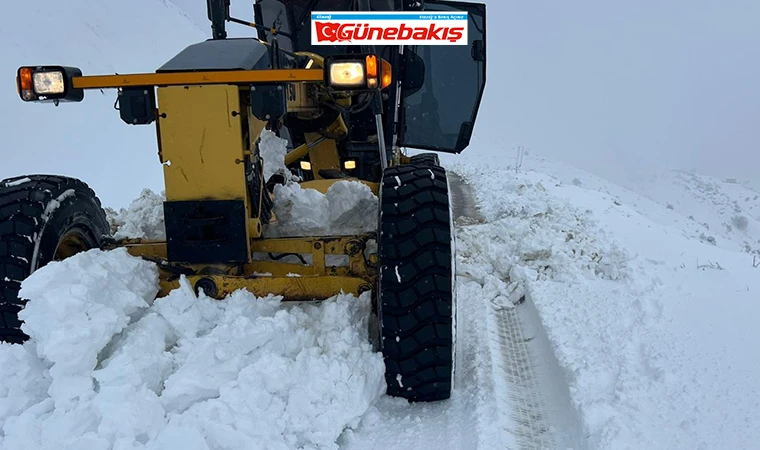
[(48, 84), (349, 73)]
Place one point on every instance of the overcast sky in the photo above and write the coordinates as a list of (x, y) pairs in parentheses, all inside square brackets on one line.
[(615, 86)]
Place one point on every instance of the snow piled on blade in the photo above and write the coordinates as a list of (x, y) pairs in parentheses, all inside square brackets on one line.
[(144, 219), (109, 368), (348, 207)]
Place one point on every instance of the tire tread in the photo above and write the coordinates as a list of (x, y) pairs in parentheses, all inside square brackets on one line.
[(416, 313), (22, 206)]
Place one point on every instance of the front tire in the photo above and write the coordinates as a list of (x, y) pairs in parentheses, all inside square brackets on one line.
[(416, 289), (427, 159), (42, 218)]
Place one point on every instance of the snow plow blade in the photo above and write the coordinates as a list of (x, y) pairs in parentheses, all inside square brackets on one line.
[(271, 271)]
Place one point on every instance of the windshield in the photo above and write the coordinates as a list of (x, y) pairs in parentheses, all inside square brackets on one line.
[(294, 17)]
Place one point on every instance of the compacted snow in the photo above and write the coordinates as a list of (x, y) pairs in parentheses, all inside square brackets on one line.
[(347, 208)]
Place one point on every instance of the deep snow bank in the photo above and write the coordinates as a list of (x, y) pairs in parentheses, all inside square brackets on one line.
[(110, 368), (654, 330)]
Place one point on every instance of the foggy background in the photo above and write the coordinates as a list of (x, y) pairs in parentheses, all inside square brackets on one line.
[(617, 87), (612, 87)]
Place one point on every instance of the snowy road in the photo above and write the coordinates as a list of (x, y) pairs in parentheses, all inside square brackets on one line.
[(508, 391), (566, 338)]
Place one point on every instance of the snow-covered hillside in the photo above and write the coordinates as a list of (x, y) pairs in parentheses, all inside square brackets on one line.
[(654, 335), (87, 140), (724, 213), (721, 212)]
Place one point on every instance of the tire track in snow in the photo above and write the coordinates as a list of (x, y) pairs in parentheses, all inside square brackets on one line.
[(509, 392), (532, 430), (528, 383)]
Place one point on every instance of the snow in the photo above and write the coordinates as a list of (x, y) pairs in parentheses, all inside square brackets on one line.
[(347, 208), (18, 182), (50, 208), (591, 316), (107, 367), (55, 203), (273, 150), (651, 340), (707, 207), (144, 219)]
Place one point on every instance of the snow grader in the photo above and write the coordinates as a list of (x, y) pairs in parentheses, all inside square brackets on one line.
[(348, 112)]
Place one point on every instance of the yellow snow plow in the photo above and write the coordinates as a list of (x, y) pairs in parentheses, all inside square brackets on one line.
[(346, 112)]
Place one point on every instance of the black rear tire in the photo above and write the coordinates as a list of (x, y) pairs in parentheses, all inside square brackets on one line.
[(427, 159), (42, 218), (416, 289)]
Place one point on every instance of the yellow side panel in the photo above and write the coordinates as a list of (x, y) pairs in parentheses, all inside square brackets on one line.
[(202, 142)]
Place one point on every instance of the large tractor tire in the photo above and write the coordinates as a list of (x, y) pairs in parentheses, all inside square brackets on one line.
[(42, 218), (416, 298), (427, 159)]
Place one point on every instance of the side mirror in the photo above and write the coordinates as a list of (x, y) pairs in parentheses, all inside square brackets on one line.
[(414, 73)]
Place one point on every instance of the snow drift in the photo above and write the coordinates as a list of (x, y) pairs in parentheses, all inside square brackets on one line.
[(107, 367)]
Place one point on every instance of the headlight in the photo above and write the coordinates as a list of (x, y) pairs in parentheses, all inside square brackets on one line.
[(347, 74), (48, 83)]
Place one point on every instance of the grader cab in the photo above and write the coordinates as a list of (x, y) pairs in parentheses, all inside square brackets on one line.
[(347, 111)]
